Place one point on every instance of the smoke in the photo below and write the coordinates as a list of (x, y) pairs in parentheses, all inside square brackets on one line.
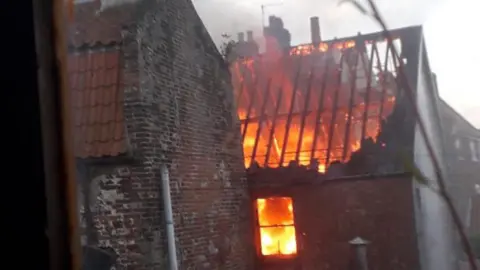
[(473, 114), (457, 70), (232, 16), (229, 17)]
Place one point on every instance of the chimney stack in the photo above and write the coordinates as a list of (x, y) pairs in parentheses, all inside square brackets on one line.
[(271, 20), (315, 30), (250, 36), (241, 37)]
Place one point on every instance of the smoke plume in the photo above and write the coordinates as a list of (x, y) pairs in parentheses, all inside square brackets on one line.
[(232, 16)]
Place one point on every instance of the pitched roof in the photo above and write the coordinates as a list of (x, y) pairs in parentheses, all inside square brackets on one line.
[(95, 79), (448, 111), (95, 82), (92, 27)]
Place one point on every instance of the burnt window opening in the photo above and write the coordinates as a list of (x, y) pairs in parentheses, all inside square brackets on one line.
[(276, 226)]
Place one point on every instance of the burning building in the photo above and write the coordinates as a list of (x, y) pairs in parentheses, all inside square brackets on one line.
[(326, 129), (317, 104)]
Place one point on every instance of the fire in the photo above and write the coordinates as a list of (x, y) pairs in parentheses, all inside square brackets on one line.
[(304, 107), (277, 230), (323, 47)]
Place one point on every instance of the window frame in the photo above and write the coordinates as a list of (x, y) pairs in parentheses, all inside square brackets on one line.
[(258, 228), (473, 147)]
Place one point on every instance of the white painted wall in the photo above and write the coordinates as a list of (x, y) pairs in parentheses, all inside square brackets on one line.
[(435, 233)]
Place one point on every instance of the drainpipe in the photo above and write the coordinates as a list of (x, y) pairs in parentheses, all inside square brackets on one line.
[(84, 177), (167, 205)]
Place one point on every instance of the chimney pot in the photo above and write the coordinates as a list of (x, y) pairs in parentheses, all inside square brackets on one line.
[(241, 37), (249, 36), (315, 30), (271, 21)]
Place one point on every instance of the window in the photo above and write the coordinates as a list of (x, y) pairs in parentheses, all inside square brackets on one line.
[(473, 150), (276, 226), (478, 148), (457, 143)]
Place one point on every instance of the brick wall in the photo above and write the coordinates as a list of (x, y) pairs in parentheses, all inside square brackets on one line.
[(178, 111), (330, 214)]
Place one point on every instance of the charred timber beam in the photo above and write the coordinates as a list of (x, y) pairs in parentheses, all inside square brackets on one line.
[(259, 129), (292, 105), (278, 226), (346, 141), (279, 116), (305, 112), (285, 115), (319, 110), (369, 90), (250, 106), (334, 112), (242, 84), (394, 57), (272, 130), (384, 84)]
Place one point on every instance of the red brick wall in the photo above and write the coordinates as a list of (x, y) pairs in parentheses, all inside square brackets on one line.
[(182, 114), (328, 215), (179, 111)]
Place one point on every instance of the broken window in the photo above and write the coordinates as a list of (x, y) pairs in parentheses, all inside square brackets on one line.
[(276, 226)]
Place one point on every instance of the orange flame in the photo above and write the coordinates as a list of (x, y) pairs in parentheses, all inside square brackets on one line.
[(277, 230), (296, 133), (323, 47)]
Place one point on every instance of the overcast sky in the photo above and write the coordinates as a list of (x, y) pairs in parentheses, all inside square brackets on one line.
[(454, 61)]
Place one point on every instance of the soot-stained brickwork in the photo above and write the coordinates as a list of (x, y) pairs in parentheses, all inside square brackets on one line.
[(178, 110), (330, 213)]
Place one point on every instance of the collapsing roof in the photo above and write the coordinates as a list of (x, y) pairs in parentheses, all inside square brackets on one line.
[(322, 104)]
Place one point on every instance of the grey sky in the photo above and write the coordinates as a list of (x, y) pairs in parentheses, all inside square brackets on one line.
[(441, 18)]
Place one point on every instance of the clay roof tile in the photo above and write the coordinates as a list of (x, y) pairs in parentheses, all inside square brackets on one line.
[(99, 126)]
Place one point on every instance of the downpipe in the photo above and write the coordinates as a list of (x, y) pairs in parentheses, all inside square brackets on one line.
[(167, 205)]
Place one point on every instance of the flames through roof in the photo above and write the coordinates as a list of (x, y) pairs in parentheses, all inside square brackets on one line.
[(316, 105)]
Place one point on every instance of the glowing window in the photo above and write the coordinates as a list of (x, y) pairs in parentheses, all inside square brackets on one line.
[(276, 226)]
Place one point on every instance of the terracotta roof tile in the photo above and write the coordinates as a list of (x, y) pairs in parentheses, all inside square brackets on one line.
[(90, 27), (97, 96)]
